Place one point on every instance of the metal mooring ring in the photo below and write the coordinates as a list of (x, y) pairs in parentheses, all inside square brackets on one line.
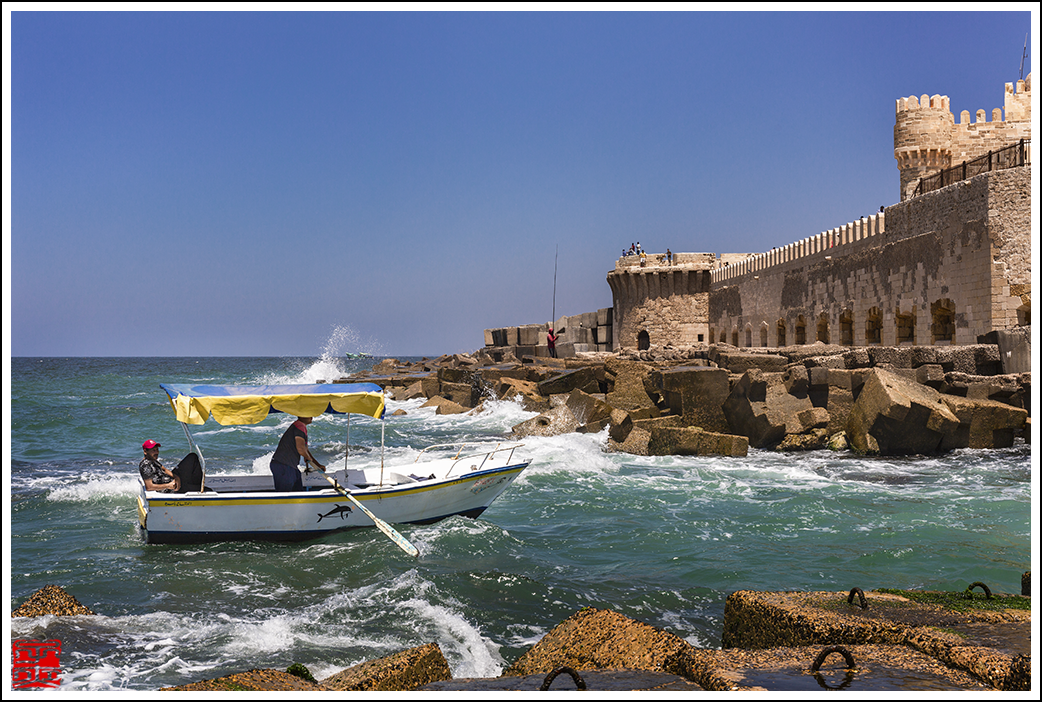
[(860, 597), (987, 591), (832, 649), (580, 684)]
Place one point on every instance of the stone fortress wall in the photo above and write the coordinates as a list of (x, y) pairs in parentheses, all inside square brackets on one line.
[(938, 269), (950, 266)]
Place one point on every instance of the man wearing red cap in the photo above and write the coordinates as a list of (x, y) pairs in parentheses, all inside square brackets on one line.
[(155, 475)]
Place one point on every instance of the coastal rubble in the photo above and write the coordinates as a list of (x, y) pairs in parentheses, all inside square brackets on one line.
[(51, 599), (998, 654), (770, 641), (404, 670), (720, 400), (594, 639), (255, 680)]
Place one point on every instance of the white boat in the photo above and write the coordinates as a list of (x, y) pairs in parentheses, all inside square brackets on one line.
[(236, 507)]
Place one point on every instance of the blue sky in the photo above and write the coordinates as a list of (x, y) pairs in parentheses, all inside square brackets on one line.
[(239, 183)]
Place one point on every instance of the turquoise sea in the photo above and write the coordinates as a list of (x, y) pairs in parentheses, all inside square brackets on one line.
[(663, 540)]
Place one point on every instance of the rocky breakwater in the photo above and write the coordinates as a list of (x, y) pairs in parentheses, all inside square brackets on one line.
[(720, 399), (888, 640)]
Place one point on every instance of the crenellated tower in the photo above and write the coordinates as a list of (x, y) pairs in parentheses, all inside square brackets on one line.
[(922, 138), (927, 139)]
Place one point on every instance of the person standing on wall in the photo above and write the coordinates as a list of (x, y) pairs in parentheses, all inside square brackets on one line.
[(551, 341), (292, 447)]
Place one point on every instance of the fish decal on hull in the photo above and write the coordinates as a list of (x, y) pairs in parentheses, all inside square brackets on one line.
[(339, 509)]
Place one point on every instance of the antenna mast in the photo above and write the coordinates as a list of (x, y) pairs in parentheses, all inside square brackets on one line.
[(553, 314), (1023, 56)]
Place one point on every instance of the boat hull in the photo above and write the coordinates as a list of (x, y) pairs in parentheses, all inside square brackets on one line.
[(296, 516)]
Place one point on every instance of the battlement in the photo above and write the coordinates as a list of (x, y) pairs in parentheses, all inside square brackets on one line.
[(937, 102), (837, 241)]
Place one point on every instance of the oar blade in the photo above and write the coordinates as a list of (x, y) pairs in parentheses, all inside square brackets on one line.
[(383, 526)]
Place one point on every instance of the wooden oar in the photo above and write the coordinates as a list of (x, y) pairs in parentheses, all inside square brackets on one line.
[(383, 526)]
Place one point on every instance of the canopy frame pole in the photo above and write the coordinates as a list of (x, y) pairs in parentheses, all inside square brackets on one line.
[(383, 425), (347, 449), (198, 452)]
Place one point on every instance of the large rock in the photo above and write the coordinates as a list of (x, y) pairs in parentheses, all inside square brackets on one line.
[(619, 425), (255, 680), (601, 639), (51, 599), (1014, 348), (629, 381), (463, 394), (513, 388), (636, 442), (444, 406), (798, 354), (983, 423), (738, 363), (977, 359), (490, 374), (402, 671), (409, 392), (557, 420), (1012, 389), (584, 379), (695, 441), (993, 644), (894, 415), (697, 393), (591, 413), (762, 408)]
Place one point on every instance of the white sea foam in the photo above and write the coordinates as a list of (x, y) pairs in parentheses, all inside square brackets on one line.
[(90, 487), (474, 655)]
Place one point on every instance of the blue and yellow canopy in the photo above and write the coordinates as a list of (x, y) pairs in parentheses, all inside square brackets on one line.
[(249, 404)]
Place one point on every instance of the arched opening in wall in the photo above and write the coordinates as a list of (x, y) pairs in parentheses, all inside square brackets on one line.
[(781, 333), (874, 327), (643, 340), (1024, 315), (712, 335), (905, 324), (748, 335), (823, 327), (763, 335), (942, 322), (846, 328), (801, 331), (734, 337)]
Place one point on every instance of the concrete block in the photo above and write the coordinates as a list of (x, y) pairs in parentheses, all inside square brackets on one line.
[(1014, 347), (531, 335), (697, 393)]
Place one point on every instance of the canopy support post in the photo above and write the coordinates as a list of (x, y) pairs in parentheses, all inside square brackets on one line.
[(383, 425), (347, 449)]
